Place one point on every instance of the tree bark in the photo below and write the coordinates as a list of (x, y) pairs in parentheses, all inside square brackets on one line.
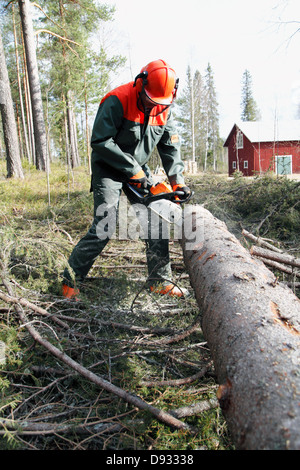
[(71, 121), (281, 267), (252, 327), (88, 152), (28, 108), (13, 158), (40, 136), (260, 241), (280, 257), (20, 87)]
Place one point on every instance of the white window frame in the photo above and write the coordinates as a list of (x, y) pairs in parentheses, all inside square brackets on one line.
[(239, 140), (245, 164), (234, 165), (276, 162)]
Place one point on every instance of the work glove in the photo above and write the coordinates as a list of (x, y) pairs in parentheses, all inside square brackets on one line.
[(184, 189), (139, 180)]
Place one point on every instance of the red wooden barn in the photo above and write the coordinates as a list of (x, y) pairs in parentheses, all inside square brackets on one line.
[(258, 147)]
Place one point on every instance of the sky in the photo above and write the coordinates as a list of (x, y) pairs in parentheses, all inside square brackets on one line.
[(231, 35)]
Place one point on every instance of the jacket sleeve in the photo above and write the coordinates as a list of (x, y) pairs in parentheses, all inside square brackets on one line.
[(107, 123), (169, 151)]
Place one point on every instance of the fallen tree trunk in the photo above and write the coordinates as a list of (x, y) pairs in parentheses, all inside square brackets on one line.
[(252, 327)]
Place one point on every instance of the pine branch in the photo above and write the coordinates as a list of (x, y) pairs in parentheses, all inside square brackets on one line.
[(97, 380)]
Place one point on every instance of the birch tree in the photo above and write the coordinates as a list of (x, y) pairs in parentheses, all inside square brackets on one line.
[(13, 159), (188, 115), (183, 116), (212, 120), (200, 126), (198, 119)]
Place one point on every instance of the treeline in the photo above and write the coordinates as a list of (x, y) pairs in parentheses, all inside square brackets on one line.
[(54, 71), (198, 119)]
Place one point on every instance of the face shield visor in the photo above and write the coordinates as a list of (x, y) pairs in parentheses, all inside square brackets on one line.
[(150, 102)]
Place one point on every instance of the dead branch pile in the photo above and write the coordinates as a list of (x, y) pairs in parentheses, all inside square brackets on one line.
[(275, 258), (93, 346)]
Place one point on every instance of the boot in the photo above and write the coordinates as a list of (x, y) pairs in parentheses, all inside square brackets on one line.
[(70, 293), (170, 290)]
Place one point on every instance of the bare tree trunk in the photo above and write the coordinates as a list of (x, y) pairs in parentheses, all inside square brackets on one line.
[(252, 326), (13, 159), (35, 88), (19, 132), (88, 152), (67, 144), (206, 147), (28, 109), (193, 118), (72, 129), (20, 87), (280, 257)]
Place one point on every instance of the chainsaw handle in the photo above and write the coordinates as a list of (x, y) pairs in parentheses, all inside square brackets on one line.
[(173, 196), (145, 197), (181, 193)]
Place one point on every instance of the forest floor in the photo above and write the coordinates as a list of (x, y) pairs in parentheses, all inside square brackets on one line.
[(147, 346)]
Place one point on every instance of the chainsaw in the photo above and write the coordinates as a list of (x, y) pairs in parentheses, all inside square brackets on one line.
[(161, 199)]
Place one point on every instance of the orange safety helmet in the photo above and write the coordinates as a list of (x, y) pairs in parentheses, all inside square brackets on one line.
[(158, 81)]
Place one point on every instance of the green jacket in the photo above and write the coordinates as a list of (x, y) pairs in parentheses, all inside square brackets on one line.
[(123, 141)]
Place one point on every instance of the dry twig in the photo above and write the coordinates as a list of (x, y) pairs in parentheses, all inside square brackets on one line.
[(99, 381)]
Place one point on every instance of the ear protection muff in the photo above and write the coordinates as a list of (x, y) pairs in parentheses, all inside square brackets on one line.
[(176, 88), (143, 75)]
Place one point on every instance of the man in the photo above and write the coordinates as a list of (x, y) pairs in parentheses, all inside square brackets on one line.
[(131, 121)]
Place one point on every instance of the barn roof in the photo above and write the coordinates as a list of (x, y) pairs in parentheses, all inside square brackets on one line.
[(269, 131)]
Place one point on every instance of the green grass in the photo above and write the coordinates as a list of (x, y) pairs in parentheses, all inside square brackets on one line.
[(267, 206), (36, 239)]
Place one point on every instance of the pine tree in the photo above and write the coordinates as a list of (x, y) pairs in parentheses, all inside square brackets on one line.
[(74, 72), (14, 166), (79, 73), (40, 137), (190, 116), (198, 119), (249, 107), (183, 111), (199, 100)]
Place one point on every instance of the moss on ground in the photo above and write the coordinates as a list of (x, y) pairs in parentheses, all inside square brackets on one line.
[(111, 330)]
